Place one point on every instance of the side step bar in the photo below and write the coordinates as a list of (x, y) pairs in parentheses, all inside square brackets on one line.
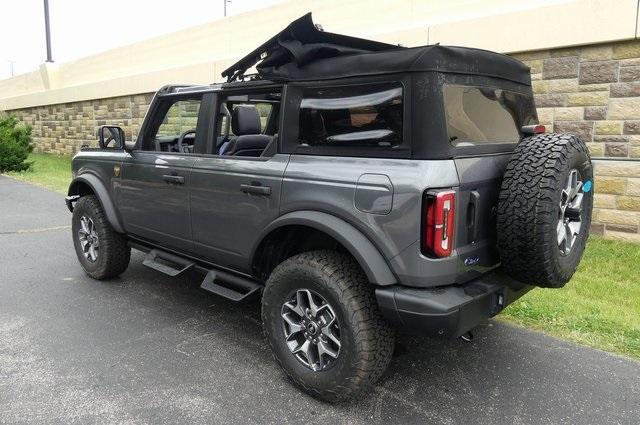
[(225, 284), (230, 286), (154, 257)]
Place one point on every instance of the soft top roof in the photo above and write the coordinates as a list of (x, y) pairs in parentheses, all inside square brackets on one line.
[(302, 52)]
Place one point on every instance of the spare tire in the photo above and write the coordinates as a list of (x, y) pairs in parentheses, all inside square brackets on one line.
[(544, 209)]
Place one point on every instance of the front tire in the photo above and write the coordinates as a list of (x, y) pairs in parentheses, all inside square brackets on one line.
[(321, 319), (103, 253)]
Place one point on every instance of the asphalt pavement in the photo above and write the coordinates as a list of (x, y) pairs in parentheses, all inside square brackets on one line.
[(147, 348)]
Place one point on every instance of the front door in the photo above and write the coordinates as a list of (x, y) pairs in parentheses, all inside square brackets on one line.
[(154, 198), (153, 192)]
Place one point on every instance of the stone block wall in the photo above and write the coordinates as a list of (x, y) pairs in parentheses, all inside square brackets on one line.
[(182, 116), (616, 212), (592, 91), (64, 128)]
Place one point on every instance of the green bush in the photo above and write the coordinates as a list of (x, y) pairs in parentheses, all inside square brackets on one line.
[(15, 144)]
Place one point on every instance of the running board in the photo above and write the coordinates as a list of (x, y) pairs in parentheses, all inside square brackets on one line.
[(230, 286), (164, 262)]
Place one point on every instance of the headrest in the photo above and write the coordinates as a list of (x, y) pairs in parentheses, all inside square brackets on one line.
[(245, 119)]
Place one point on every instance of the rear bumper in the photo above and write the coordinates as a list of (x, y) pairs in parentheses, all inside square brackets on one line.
[(450, 310)]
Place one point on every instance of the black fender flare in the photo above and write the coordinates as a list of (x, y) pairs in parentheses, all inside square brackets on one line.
[(363, 250), (101, 193)]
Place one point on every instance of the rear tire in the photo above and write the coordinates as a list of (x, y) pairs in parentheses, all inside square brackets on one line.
[(103, 253), (334, 281), (545, 198)]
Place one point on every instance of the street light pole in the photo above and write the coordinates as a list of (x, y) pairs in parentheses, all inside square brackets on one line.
[(47, 29)]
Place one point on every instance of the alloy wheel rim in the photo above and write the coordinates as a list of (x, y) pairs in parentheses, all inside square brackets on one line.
[(311, 329), (570, 213), (88, 237)]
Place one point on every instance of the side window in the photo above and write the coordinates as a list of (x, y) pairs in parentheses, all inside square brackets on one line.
[(352, 116), (176, 131), (247, 124), (484, 115), (264, 111)]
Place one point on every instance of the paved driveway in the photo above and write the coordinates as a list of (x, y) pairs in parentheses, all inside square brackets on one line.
[(146, 348)]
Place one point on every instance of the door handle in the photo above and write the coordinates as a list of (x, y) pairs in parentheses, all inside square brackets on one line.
[(173, 178), (473, 216), (256, 189)]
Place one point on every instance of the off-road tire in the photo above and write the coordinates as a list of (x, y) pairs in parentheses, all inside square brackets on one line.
[(367, 339), (113, 254), (529, 204)]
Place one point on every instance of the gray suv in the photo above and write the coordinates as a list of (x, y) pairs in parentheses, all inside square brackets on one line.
[(357, 187)]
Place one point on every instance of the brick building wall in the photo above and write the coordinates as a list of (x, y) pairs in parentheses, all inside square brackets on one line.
[(592, 91)]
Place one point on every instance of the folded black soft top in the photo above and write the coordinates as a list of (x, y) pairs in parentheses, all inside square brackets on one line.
[(303, 52)]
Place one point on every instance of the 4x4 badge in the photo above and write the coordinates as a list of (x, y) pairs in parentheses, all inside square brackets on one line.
[(116, 170)]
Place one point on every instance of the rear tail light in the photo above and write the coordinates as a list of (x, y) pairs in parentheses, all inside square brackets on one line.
[(533, 129), (437, 237)]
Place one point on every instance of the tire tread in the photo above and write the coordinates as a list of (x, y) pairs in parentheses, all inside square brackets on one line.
[(113, 245), (374, 337), (526, 215)]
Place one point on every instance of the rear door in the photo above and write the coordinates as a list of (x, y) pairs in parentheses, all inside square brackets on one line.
[(235, 196), (484, 126)]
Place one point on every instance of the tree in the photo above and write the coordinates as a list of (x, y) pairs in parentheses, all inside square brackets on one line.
[(15, 144)]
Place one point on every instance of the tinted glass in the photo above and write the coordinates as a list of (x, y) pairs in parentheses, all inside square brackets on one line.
[(180, 119), (181, 116), (368, 115), (484, 115), (264, 110)]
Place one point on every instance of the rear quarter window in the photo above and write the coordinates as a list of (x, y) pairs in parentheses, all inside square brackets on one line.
[(483, 115), (369, 116)]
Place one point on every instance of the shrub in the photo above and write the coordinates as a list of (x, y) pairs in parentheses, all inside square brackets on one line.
[(15, 144)]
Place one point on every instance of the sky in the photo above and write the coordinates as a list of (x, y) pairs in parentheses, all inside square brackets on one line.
[(84, 27)]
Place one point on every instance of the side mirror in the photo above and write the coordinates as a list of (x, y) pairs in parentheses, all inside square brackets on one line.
[(111, 137)]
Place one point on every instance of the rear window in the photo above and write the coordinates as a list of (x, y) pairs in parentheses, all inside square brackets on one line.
[(483, 115), (358, 115)]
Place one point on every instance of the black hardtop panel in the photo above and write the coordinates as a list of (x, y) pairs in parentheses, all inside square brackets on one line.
[(301, 52)]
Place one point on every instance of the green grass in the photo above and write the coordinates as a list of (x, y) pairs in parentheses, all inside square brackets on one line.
[(599, 307), (50, 171)]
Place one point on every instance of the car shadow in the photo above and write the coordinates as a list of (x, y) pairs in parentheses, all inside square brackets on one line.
[(506, 371)]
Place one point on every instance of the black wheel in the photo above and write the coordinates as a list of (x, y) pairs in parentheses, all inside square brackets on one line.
[(544, 209), (102, 252), (322, 322)]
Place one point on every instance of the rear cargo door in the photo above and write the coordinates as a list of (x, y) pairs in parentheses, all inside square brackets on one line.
[(483, 125)]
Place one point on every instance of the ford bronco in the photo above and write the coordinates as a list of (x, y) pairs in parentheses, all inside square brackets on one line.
[(357, 187)]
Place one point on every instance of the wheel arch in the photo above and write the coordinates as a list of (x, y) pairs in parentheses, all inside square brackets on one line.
[(327, 228), (88, 184)]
